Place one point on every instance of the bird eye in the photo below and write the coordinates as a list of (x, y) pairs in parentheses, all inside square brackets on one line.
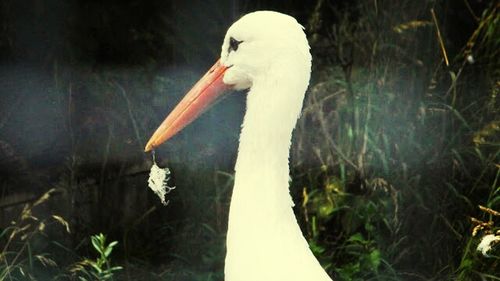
[(233, 44)]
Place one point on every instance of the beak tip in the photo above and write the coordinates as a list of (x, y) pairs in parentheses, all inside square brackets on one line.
[(148, 147)]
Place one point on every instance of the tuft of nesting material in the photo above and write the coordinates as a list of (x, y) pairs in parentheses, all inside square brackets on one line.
[(158, 181)]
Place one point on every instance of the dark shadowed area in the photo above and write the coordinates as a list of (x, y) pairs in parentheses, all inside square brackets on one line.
[(395, 161)]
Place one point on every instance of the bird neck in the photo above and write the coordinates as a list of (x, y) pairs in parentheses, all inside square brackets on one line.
[(262, 171), (262, 227), (264, 241)]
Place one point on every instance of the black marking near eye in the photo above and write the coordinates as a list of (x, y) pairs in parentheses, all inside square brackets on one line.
[(233, 44)]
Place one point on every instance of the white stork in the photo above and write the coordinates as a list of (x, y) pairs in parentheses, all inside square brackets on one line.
[(267, 53)]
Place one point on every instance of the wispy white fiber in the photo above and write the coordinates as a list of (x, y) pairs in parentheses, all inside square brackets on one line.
[(158, 182)]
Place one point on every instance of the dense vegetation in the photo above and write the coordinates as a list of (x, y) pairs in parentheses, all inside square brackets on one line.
[(395, 160)]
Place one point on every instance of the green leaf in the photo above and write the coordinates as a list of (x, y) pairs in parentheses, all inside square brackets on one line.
[(116, 268), (95, 243), (96, 267), (375, 259), (108, 251), (357, 237), (112, 244)]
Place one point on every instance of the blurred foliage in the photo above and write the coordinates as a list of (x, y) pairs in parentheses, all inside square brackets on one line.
[(397, 155), (397, 147)]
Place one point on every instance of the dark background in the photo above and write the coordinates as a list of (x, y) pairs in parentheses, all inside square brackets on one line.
[(395, 150)]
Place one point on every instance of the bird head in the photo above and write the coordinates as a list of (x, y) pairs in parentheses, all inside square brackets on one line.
[(256, 45), (258, 42)]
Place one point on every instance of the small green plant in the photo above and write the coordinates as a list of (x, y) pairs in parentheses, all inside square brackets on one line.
[(99, 269)]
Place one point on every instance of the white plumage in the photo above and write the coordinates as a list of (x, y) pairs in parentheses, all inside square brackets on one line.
[(264, 241)]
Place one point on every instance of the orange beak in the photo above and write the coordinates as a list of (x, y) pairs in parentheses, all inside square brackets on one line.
[(203, 94)]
